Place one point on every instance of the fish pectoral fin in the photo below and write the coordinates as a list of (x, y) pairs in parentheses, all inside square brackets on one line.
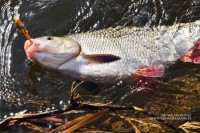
[(151, 71), (101, 58)]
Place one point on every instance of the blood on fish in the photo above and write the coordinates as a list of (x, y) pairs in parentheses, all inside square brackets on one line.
[(150, 71), (193, 55)]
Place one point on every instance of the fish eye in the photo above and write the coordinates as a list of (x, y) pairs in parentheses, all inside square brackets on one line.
[(49, 38)]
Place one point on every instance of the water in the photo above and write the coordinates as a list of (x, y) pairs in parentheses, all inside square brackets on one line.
[(27, 87)]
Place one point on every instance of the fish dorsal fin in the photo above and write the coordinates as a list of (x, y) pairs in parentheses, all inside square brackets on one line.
[(101, 58)]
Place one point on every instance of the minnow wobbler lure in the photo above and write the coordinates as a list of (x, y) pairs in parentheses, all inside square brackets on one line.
[(21, 28)]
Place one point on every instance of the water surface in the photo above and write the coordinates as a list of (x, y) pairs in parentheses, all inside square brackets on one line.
[(27, 87)]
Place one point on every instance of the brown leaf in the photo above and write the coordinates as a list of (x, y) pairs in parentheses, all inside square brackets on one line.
[(70, 123), (86, 121), (190, 127)]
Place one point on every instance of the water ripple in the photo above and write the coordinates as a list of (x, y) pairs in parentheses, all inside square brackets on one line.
[(6, 34), (23, 84)]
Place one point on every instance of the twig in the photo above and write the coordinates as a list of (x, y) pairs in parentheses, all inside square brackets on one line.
[(87, 120), (73, 98), (34, 127), (68, 124), (84, 105), (135, 129), (24, 117)]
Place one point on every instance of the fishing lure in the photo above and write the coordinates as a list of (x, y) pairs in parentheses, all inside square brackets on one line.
[(21, 28)]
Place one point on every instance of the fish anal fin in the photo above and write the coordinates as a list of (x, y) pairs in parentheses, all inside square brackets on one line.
[(151, 71), (101, 58)]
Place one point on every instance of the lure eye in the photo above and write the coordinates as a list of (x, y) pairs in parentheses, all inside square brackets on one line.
[(49, 38)]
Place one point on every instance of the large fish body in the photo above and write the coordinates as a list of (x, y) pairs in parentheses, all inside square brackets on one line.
[(116, 53)]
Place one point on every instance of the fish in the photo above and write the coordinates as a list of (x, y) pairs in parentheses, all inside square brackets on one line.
[(118, 53)]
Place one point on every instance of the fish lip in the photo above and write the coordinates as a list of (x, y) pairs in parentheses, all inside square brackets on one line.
[(27, 44), (32, 46)]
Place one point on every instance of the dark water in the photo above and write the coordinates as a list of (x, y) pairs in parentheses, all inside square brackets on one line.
[(27, 87)]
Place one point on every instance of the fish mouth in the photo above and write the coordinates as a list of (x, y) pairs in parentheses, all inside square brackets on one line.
[(51, 54), (27, 44)]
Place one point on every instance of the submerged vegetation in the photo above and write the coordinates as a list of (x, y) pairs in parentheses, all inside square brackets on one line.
[(174, 108), (117, 118)]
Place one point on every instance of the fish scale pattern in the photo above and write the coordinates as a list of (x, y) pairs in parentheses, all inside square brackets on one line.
[(137, 48), (148, 46)]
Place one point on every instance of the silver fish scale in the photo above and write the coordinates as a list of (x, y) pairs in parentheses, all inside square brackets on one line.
[(137, 47), (128, 43), (137, 42)]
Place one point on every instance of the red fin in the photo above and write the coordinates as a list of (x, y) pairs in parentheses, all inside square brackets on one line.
[(151, 71), (101, 58), (193, 55)]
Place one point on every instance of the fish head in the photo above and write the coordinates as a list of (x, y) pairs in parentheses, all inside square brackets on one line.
[(51, 51)]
